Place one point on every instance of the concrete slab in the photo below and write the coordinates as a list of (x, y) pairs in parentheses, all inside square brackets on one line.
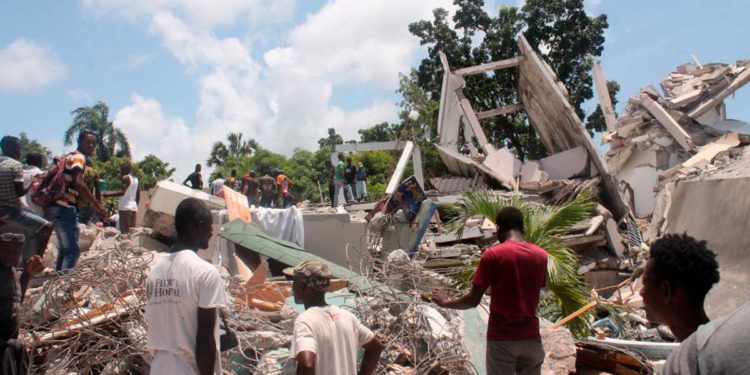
[(566, 164), (722, 205), (504, 164), (326, 235)]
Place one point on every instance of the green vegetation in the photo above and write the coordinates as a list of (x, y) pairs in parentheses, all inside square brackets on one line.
[(111, 140)]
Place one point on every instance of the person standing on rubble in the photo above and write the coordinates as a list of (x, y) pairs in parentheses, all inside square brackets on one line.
[(250, 188), (284, 185), (195, 179), (87, 213), (350, 177), (13, 358), (338, 181), (331, 176), (326, 338), (129, 195), (361, 182), (183, 296), (217, 184), (233, 182), (267, 190), (516, 271), (12, 189), (64, 211)]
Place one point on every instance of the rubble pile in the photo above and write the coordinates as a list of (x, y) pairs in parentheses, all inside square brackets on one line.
[(679, 133), (91, 320)]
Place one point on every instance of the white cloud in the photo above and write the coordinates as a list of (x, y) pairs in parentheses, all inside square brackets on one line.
[(203, 13), (283, 101), (150, 131), (79, 95), (351, 41), (27, 66)]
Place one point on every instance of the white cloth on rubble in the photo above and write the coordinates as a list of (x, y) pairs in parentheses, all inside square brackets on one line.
[(285, 224), (334, 335), (721, 346), (179, 284)]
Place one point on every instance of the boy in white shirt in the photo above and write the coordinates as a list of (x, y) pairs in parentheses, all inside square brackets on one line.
[(326, 338), (184, 294)]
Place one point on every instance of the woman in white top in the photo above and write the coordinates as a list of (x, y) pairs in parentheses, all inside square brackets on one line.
[(129, 198)]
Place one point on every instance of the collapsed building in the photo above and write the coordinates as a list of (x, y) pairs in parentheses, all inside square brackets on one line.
[(668, 152)]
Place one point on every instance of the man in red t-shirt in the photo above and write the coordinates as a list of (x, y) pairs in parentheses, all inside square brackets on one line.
[(516, 270)]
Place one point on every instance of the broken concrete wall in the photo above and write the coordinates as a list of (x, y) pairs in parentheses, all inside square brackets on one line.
[(556, 122), (160, 213), (326, 235), (716, 210)]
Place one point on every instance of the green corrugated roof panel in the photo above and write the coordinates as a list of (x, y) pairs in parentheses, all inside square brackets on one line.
[(251, 236)]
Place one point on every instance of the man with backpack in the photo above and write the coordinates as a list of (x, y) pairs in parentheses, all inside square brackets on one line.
[(12, 189), (62, 188)]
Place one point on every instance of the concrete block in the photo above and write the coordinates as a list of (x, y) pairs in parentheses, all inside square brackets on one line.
[(532, 171), (504, 164), (566, 164), (160, 213), (327, 235)]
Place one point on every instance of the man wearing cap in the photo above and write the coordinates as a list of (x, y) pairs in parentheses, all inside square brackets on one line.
[(64, 211), (12, 291), (12, 187), (326, 338)]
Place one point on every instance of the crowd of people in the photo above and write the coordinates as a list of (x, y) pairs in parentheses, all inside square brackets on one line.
[(186, 295)]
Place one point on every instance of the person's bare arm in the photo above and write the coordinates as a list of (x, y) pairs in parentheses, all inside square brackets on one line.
[(306, 363), (138, 194), (20, 189), (467, 301), (205, 343), (112, 194), (97, 189), (84, 191), (373, 349), (30, 268)]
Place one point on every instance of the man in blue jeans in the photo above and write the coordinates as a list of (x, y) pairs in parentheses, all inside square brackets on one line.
[(12, 189), (63, 211)]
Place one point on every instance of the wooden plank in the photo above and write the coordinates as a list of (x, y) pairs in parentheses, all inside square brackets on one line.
[(473, 121), (661, 115), (605, 102), (495, 65), (738, 82), (500, 111), (400, 167)]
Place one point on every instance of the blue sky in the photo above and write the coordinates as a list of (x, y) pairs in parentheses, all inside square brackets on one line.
[(180, 74)]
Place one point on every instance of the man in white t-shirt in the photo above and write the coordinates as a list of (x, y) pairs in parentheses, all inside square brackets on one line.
[(184, 294), (326, 338), (217, 185)]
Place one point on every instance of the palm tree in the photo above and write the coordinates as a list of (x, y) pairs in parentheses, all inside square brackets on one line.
[(543, 226), (235, 147), (111, 140)]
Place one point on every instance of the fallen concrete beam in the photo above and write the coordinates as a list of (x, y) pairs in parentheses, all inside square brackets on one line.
[(449, 115), (476, 127), (605, 102), (500, 111), (661, 115), (738, 82), (556, 122), (495, 65)]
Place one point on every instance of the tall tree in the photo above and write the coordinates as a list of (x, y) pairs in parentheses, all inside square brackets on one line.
[(235, 147), (111, 140), (382, 132), (32, 145), (559, 29), (153, 170), (332, 140)]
